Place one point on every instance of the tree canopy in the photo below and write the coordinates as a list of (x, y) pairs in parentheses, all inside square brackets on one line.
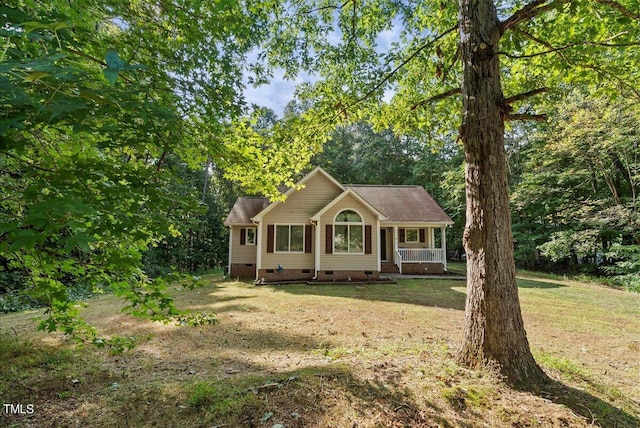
[(104, 105), (463, 69)]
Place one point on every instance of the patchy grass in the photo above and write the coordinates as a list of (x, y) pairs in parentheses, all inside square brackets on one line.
[(377, 355)]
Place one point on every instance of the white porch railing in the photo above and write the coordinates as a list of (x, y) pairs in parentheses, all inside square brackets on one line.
[(421, 255)]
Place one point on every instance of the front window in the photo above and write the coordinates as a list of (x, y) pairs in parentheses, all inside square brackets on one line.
[(251, 236), (290, 239), (411, 235), (348, 235)]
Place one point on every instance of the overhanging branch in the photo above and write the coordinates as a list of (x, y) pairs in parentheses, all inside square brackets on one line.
[(620, 8), (442, 96), (525, 95), (530, 11), (388, 76)]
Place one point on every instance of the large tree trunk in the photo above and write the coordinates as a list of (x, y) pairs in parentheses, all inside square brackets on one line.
[(494, 333)]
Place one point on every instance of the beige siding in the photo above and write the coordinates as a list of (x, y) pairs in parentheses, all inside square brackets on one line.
[(298, 208), (428, 239), (288, 261), (242, 253), (349, 261), (304, 203)]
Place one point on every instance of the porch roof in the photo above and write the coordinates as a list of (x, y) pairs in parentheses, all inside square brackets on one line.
[(403, 204)]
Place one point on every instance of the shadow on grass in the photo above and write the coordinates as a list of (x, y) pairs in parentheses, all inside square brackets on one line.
[(595, 411), (531, 283), (436, 293)]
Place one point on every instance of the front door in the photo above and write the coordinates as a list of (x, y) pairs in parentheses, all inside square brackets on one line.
[(383, 245)]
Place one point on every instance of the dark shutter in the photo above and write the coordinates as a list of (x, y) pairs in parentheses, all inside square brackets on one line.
[(401, 231), (328, 247), (270, 238), (423, 238), (367, 239), (307, 238), (243, 236)]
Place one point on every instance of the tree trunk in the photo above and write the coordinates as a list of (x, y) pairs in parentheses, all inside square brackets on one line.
[(494, 333)]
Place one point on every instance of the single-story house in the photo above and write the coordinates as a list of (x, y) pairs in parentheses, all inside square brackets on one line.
[(329, 231)]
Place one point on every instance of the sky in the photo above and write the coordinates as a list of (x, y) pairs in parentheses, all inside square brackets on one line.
[(276, 95)]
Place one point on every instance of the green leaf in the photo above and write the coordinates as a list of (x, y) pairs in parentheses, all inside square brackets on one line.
[(111, 75), (35, 76), (113, 60)]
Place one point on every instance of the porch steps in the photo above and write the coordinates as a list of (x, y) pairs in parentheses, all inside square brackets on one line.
[(389, 267)]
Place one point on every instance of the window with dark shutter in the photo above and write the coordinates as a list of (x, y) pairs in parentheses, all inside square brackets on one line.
[(423, 237), (401, 237), (243, 236), (328, 247)]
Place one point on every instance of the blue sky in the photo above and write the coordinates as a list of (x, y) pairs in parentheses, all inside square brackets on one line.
[(277, 94)]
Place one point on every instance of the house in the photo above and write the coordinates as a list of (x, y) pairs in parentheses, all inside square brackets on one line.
[(329, 231)]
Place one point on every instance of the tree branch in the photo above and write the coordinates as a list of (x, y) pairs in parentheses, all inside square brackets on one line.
[(524, 95), (525, 116), (529, 12), (344, 110), (569, 46), (446, 94), (620, 8), (318, 9)]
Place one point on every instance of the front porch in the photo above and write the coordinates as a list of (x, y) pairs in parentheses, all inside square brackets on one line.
[(413, 250)]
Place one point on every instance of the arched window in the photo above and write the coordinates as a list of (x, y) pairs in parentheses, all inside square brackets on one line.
[(348, 233)]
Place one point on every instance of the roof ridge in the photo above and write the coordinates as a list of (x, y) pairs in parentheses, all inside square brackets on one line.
[(382, 185)]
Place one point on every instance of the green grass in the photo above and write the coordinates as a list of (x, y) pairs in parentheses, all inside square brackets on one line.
[(318, 356)]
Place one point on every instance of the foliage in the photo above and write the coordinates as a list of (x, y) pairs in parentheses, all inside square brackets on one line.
[(202, 244), (578, 199), (104, 103)]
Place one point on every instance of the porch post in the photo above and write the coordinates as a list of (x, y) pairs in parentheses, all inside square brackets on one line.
[(395, 248), (444, 246)]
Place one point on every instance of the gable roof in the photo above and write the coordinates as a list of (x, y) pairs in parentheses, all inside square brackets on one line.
[(403, 203), (392, 204), (245, 209), (317, 170), (363, 201)]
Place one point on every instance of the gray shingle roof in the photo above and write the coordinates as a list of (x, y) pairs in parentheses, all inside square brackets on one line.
[(403, 203), (244, 209)]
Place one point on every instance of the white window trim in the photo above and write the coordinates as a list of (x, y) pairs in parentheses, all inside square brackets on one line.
[(406, 235), (275, 238), (246, 236), (348, 223)]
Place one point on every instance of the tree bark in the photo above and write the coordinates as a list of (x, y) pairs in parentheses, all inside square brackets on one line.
[(494, 332)]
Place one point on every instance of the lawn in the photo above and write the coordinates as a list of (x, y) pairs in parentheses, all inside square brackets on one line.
[(329, 356)]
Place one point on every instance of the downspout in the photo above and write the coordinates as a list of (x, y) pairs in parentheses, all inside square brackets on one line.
[(316, 256), (258, 247)]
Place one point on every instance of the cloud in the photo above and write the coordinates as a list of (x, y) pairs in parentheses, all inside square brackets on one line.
[(277, 94)]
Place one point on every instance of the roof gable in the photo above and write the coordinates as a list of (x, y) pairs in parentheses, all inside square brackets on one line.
[(299, 186), (340, 197)]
